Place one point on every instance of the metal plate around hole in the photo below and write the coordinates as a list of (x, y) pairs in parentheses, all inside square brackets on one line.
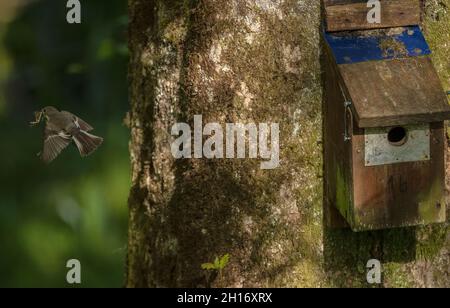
[(378, 150)]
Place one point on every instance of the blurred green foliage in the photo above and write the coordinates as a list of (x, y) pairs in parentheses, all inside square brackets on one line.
[(72, 208)]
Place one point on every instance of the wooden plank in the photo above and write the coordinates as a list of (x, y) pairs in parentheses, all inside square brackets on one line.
[(345, 15), (399, 195), (337, 166), (395, 92)]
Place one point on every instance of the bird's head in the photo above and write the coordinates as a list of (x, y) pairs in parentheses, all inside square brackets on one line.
[(49, 110), (45, 113)]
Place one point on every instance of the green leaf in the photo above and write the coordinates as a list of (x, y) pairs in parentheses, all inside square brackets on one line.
[(224, 261), (208, 266), (216, 263), (219, 264)]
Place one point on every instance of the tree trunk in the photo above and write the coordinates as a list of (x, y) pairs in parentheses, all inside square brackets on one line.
[(245, 61)]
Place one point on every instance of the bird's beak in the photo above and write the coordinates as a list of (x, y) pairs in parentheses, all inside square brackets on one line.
[(37, 117)]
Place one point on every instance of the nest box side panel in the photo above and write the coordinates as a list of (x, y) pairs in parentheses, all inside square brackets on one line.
[(345, 15), (403, 194), (338, 185)]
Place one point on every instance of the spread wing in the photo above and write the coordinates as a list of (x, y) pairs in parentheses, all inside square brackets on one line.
[(83, 125), (54, 143)]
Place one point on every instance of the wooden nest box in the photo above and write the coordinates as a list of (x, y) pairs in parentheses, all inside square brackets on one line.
[(384, 112)]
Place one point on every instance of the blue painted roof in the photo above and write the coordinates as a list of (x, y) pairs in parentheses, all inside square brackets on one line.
[(354, 49)]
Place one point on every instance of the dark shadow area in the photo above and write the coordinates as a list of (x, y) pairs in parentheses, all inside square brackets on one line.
[(204, 207), (74, 207), (346, 252)]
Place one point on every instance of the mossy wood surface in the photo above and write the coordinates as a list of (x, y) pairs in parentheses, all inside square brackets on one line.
[(345, 15), (395, 92)]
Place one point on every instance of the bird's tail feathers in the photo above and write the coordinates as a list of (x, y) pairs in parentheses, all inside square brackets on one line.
[(87, 143)]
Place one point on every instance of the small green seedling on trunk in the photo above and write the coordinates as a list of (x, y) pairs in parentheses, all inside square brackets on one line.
[(219, 264)]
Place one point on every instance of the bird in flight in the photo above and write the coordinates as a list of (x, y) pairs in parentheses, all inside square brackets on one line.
[(61, 128)]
